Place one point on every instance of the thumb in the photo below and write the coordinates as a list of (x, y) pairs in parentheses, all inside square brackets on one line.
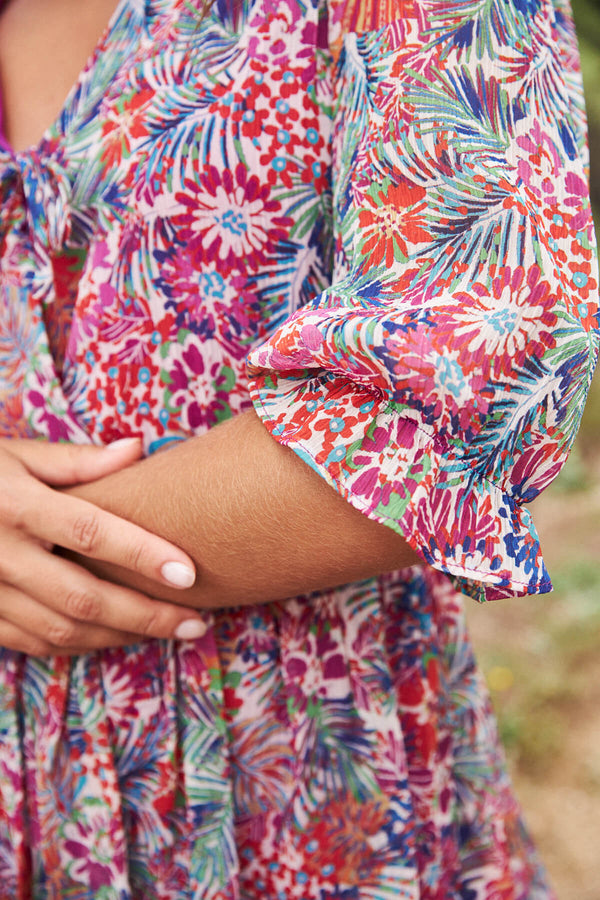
[(62, 464)]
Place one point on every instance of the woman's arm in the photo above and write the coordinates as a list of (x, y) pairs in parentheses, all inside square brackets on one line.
[(259, 523)]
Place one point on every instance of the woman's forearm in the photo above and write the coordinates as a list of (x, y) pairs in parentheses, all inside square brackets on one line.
[(259, 523)]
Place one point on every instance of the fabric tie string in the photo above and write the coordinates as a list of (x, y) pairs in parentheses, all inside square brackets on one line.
[(46, 191)]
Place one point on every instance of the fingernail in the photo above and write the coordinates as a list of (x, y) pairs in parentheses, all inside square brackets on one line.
[(178, 574), (122, 443), (190, 629)]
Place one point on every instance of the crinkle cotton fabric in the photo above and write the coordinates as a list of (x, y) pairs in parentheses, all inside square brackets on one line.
[(384, 207)]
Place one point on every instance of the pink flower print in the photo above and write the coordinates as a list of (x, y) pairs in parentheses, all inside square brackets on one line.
[(534, 469), (449, 391), (199, 384), (230, 219), (514, 319), (121, 694), (91, 852)]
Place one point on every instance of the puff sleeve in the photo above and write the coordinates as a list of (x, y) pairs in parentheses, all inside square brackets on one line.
[(439, 382)]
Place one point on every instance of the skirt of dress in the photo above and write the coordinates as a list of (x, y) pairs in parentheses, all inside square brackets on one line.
[(334, 746)]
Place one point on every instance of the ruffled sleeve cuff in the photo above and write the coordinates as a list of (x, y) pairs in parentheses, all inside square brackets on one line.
[(394, 468)]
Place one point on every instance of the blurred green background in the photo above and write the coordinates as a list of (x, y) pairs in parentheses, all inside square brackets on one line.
[(541, 655)]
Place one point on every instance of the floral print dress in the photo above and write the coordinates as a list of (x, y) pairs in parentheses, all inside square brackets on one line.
[(370, 219)]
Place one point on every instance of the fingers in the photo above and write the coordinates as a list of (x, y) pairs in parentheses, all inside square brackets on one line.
[(54, 633), (64, 464), (15, 638), (80, 610), (50, 605), (86, 529)]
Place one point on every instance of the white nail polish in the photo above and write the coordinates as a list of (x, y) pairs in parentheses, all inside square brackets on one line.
[(122, 443), (178, 574), (190, 629)]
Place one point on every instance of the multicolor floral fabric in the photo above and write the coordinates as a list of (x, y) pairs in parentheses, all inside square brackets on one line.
[(384, 206), (435, 382)]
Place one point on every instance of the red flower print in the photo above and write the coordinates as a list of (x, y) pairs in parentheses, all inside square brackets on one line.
[(230, 218), (582, 281), (391, 221), (125, 122)]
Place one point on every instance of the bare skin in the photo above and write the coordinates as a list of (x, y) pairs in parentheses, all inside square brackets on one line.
[(256, 521), (44, 45)]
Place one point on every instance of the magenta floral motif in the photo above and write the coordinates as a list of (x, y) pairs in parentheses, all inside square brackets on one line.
[(371, 221)]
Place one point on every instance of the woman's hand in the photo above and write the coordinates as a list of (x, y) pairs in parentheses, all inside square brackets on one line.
[(51, 605)]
